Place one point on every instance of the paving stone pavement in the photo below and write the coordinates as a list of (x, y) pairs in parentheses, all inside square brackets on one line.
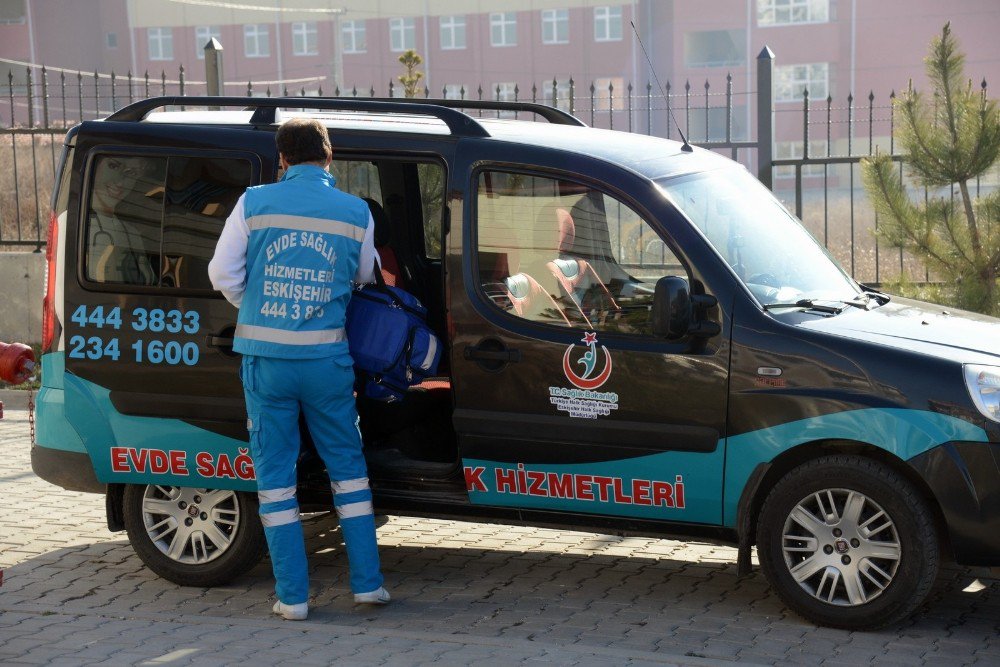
[(74, 593)]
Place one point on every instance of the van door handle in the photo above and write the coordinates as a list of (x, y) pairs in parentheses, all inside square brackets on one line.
[(508, 356), (218, 341), (492, 350)]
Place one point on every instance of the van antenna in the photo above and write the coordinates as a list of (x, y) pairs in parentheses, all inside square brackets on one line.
[(686, 147)]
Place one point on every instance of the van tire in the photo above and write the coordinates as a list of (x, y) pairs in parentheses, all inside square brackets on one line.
[(887, 589), (245, 548)]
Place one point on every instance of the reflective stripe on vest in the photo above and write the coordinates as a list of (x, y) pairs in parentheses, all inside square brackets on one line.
[(303, 224), (286, 337)]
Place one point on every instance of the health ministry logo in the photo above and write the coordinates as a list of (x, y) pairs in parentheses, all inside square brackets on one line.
[(587, 379)]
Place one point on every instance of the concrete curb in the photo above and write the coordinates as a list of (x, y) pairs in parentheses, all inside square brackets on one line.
[(14, 399)]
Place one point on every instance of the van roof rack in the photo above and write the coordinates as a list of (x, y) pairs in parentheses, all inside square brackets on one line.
[(551, 114), (265, 109)]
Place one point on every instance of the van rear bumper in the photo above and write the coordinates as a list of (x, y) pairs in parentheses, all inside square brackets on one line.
[(70, 470), (965, 480)]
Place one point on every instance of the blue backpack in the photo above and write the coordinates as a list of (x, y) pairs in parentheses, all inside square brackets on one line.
[(390, 342)]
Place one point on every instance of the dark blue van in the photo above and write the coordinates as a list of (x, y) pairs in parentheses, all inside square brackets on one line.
[(640, 339)]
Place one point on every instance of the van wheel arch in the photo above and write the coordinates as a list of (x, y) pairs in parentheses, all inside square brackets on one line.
[(766, 475)]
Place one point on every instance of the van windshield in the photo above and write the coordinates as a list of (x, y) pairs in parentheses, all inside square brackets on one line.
[(766, 246)]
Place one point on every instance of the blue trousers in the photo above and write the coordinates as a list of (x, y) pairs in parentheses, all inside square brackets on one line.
[(276, 389)]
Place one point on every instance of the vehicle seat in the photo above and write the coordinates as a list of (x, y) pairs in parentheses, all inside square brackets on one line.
[(576, 276), (383, 238)]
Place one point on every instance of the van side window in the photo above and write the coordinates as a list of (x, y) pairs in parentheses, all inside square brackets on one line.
[(358, 177), (153, 221), (123, 220), (566, 254), (200, 193), (363, 178), (431, 177)]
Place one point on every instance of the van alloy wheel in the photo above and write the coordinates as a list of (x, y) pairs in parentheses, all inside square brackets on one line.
[(841, 547), (849, 542), (190, 525), (193, 537)]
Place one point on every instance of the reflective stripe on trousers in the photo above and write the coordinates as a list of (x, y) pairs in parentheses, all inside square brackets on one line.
[(352, 498)]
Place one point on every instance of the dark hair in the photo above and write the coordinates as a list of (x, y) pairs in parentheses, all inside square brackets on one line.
[(303, 140)]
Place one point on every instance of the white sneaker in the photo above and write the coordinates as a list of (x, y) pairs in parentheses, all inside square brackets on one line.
[(291, 612), (380, 596)]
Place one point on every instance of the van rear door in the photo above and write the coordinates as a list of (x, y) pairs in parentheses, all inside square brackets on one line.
[(152, 383)]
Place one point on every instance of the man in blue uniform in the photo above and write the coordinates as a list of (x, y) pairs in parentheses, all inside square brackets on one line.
[(286, 258)]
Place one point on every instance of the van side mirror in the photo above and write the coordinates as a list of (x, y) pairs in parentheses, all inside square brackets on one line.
[(678, 313), (671, 308)]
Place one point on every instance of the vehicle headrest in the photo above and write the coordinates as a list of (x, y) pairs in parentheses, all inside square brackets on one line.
[(519, 286), (383, 229), (567, 230), (570, 268)]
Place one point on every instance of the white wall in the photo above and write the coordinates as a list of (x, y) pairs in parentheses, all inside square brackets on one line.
[(22, 286)]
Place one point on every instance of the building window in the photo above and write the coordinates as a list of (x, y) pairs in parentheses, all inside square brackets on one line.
[(256, 40), (555, 26), (791, 80), (784, 150), (715, 48), (452, 32), (304, 39), (203, 34), (556, 93), (503, 29), (402, 34), (505, 91), (455, 91), (354, 37), (13, 12), (161, 43), (112, 40), (609, 94), (789, 12), (607, 24), (717, 119)]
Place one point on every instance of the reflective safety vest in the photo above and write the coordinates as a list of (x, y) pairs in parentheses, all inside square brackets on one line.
[(302, 254)]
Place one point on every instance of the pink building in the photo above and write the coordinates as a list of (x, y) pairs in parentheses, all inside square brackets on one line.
[(831, 47)]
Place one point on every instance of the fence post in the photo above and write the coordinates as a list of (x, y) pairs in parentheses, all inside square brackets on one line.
[(31, 100), (629, 106), (213, 68), (593, 90), (765, 117), (45, 98), (79, 94)]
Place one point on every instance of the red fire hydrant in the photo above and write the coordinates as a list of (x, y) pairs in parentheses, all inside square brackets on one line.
[(17, 363)]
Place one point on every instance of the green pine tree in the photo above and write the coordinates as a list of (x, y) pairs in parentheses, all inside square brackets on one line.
[(947, 141), (411, 60)]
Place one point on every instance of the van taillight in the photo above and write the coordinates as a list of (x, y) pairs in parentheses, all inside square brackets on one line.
[(49, 302)]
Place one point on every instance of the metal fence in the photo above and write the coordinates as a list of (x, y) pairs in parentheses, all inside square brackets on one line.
[(807, 152)]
